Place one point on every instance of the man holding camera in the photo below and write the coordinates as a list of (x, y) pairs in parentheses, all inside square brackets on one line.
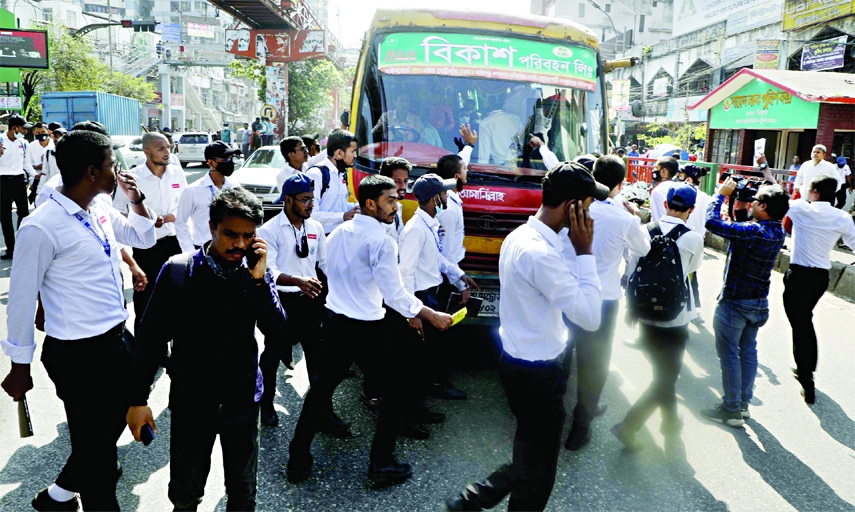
[(743, 304)]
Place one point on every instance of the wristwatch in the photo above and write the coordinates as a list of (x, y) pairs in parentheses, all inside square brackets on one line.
[(142, 198)]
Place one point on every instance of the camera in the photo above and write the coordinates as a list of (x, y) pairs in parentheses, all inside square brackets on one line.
[(746, 189)]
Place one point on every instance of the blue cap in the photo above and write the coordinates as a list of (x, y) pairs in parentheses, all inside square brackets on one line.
[(297, 183), (841, 160), (682, 194), (429, 185)]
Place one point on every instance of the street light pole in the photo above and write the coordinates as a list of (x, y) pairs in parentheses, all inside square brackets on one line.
[(110, 36)]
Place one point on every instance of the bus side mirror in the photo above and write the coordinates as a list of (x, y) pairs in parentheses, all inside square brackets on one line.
[(345, 118)]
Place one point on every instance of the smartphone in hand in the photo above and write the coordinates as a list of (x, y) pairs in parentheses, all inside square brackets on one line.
[(146, 435), (251, 256)]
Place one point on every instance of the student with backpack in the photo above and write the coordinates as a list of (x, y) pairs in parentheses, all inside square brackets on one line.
[(658, 296), (330, 177)]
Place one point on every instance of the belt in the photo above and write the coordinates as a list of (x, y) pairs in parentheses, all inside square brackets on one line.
[(7, 176)]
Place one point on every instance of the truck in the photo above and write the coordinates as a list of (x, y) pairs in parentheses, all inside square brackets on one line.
[(508, 77), (119, 114)]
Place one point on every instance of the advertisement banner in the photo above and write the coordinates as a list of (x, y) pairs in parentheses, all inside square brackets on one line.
[(759, 16), (620, 94), (482, 56), (799, 14), (200, 30), (276, 45), (690, 15), (23, 49), (767, 54), (10, 102), (660, 86), (824, 55), (277, 96), (759, 106), (170, 32), (176, 100)]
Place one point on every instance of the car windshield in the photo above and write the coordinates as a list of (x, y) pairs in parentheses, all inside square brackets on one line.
[(417, 116), (266, 158), (198, 138)]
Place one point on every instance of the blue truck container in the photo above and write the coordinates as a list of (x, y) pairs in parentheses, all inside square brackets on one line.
[(119, 114)]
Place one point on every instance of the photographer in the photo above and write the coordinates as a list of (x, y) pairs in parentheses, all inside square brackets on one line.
[(743, 304)]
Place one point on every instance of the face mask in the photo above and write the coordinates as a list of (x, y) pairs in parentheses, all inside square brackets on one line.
[(656, 175), (19, 135), (43, 137), (439, 207), (225, 168), (840, 165)]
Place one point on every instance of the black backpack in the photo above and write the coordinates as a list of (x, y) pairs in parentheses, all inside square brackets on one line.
[(325, 177), (657, 289)]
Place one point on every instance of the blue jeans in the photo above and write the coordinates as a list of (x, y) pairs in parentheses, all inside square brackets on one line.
[(736, 324)]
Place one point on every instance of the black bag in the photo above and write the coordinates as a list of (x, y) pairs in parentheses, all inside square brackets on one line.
[(657, 289)]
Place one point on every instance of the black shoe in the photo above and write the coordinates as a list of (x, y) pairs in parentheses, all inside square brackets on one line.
[(392, 473), (414, 431), (447, 392), (578, 437), (269, 418), (600, 411), (809, 396), (299, 469), (6, 256), (336, 428), (425, 415), (44, 503), (459, 503)]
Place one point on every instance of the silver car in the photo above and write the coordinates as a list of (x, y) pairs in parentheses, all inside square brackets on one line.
[(258, 175)]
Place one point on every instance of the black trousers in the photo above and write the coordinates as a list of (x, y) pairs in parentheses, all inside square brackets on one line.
[(343, 341), (535, 392), (803, 287), (194, 430), (664, 347), (593, 356), (840, 197), (151, 260), (304, 320), (90, 377), (13, 189), (438, 345)]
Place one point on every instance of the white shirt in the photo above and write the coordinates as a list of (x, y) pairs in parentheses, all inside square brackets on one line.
[(364, 272), (691, 246), (331, 207), (282, 241), (615, 230), (80, 285), (817, 226), (844, 172), (497, 134), (698, 218), (395, 229), (289, 171), (12, 160), (49, 170), (193, 214), (658, 196), (451, 220), (421, 262), (37, 155), (809, 171), (161, 194), (537, 287)]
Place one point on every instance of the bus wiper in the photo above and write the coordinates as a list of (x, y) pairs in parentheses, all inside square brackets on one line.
[(489, 176)]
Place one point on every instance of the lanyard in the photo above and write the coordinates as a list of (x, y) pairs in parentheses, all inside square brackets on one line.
[(455, 201), (105, 242), (436, 236)]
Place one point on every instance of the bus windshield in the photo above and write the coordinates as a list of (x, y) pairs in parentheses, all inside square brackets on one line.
[(416, 113)]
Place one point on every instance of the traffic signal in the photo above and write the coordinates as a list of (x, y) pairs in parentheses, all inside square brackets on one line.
[(141, 25)]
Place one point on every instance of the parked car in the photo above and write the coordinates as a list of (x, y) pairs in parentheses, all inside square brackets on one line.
[(190, 147), (258, 175), (131, 150)]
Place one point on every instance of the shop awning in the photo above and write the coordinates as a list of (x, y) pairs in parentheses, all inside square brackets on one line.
[(808, 85)]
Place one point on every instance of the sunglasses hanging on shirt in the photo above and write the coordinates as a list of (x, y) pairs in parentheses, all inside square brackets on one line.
[(302, 250)]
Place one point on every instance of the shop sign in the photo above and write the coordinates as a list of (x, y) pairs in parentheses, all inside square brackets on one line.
[(767, 54), (799, 14), (492, 57), (689, 15), (754, 17), (824, 55), (759, 106), (620, 94)]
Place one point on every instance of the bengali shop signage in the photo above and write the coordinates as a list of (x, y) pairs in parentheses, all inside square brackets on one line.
[(494, 57), (758, 106), (799, 14), (690, 15), (767, 54), (824, 55)]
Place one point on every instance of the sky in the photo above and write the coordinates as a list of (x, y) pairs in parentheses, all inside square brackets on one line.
[(356, 15)]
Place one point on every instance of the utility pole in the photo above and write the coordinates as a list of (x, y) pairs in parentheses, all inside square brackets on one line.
[(110, 36)]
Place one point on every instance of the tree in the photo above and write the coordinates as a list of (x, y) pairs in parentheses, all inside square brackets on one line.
[(253, 70), (309, 100), (683, 135), (74, 68)]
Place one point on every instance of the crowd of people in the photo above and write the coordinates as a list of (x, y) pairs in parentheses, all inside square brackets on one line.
[(373, 286)]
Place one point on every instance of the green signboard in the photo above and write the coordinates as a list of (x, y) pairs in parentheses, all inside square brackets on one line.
[(758, 106), (483, 56)]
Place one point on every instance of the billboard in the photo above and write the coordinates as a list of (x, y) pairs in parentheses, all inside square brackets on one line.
[(620, 94), (824, 55), (200, 30), (23, 49), (754, 17), (276, 45), (691, 15), (767, 54), (799, 14)]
